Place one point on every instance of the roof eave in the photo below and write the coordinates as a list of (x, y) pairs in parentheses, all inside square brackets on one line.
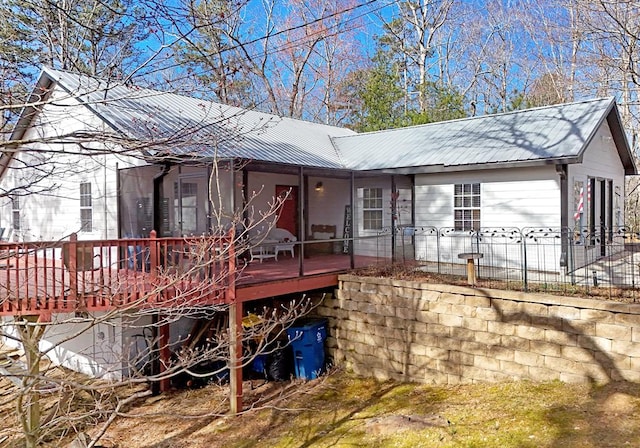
[(41, 90), (430, 169), (620, 139)]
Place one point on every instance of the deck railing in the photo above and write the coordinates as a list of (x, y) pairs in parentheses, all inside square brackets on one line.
[(73, 275)]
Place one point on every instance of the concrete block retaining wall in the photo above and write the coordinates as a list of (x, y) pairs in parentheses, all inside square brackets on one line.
[(443, 334)]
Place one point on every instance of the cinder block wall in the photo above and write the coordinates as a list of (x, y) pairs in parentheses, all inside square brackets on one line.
[(444, 334)]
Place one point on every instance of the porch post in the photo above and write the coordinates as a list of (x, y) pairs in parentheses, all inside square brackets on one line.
[(352, 243), (302, 197)]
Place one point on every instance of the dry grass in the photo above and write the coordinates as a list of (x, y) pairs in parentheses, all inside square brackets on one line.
[(345, 411), (341, 410)]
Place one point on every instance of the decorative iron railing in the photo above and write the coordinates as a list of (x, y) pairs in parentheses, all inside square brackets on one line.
[(557, 259)]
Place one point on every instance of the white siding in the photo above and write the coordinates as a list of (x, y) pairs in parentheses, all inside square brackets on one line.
[(93, 347), (509, 198), (378, 243), (516, 197), (51, 209), (327, 207), (600, 160)]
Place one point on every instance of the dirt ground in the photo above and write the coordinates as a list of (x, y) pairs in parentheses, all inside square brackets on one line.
[(340, 410)]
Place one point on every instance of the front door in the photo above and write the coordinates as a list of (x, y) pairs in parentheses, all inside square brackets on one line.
[(288, 216)]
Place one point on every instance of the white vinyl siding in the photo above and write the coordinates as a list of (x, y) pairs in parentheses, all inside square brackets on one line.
[(600, 161), (528, 197)]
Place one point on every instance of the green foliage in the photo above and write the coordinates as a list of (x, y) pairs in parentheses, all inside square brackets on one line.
[(93, 37), (381, 96), (385, 104), (209, 56), (444, 103)]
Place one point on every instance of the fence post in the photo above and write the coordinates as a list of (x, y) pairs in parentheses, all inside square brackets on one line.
[(438, 248), (523, 238), (571, 259)]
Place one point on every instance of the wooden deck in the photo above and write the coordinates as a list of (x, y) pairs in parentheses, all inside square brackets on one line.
[(44, 278)]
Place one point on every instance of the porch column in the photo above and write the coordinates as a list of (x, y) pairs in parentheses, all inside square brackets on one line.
[(352, 243), (302, 199)]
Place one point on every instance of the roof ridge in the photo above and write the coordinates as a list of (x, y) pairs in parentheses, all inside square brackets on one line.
[(119, 83), (480, 117)]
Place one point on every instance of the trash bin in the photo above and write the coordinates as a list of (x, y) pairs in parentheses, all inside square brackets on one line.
[(307, 340)]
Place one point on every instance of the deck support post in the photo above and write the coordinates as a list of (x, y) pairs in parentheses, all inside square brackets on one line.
[(165, 355), (235, 332), (30, 336), (235, 357)]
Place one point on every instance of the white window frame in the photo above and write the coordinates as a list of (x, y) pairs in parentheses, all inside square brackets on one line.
[(372, 209), (15, 213), (467, 206), (86, 207)]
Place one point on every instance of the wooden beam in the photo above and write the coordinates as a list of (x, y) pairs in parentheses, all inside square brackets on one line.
[(286, 286)]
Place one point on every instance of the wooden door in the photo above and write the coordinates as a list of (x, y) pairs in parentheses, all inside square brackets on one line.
[(288, 216)]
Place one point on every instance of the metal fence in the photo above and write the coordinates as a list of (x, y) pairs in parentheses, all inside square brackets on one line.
[(554, 259)]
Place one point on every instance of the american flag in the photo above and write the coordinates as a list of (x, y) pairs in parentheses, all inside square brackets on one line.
[(580, 207)]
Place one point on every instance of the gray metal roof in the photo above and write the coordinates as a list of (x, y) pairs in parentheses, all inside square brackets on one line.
[(545, 134), (200, 128)]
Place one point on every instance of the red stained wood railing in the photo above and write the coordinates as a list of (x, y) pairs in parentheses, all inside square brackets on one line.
[(70, 276)]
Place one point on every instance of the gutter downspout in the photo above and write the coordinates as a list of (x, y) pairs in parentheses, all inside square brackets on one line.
[(564, 214), (394, 217)]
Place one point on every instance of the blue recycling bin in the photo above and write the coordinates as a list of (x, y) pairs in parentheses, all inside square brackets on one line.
[(307, 340)]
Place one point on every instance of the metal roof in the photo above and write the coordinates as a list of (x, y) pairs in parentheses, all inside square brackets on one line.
[(540, 135), (187, 126), (200, 128)]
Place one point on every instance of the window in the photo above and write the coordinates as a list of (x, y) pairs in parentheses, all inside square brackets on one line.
[(86, 210), (466, 206), (15, 212), (372, 208), (186, 210)]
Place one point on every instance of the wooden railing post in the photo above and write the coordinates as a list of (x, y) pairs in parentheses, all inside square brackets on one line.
[(153, 253), (72, 267)]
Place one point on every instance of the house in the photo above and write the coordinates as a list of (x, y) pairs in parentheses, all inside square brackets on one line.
[(152, 154), (555, 167), (110, 160)]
